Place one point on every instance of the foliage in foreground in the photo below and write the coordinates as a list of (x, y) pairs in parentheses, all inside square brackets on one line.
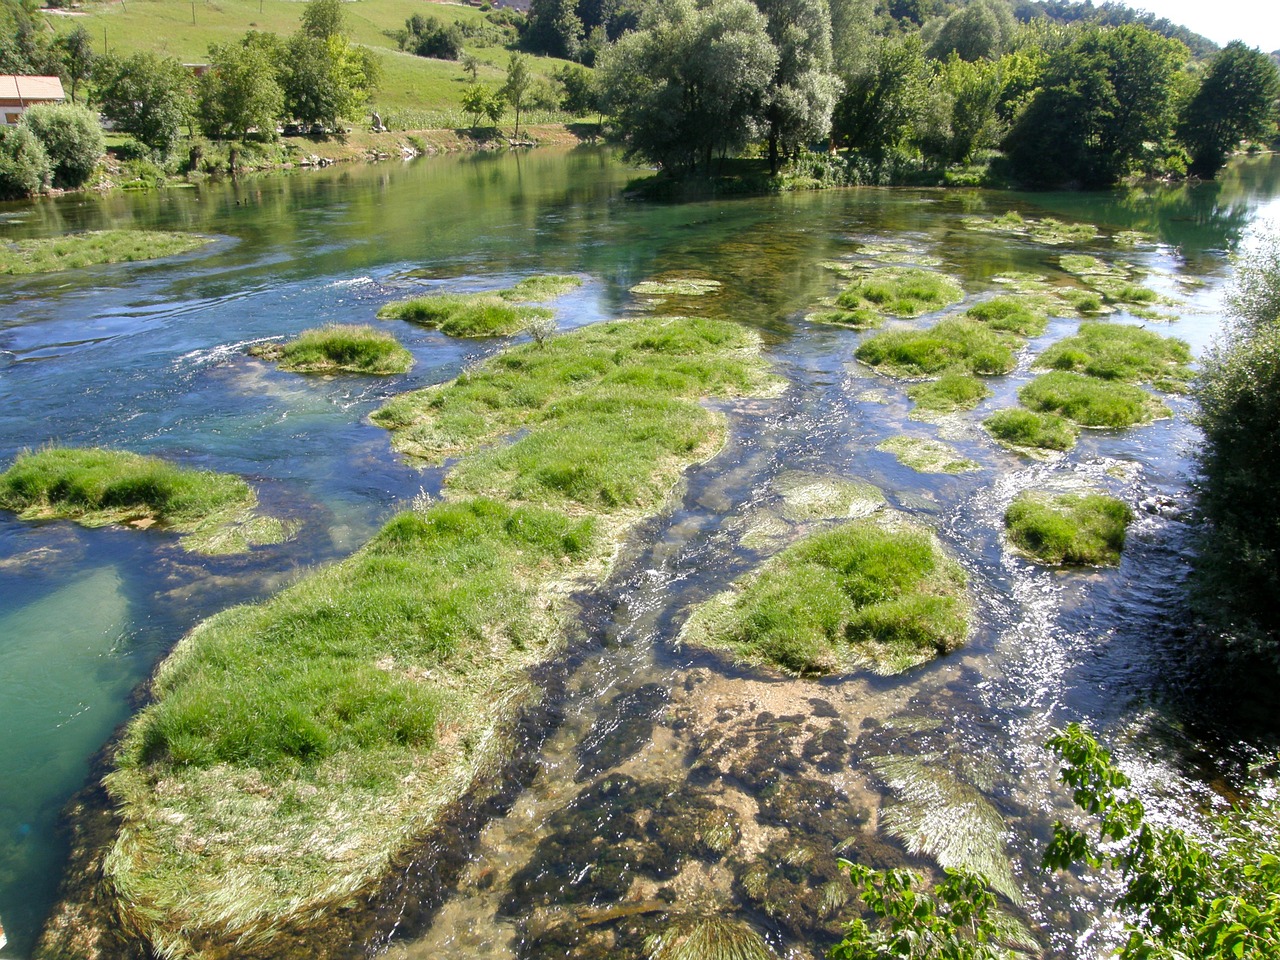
[(72, 140), (350, 348), (864, 593), (1069, 528), (69, 252)]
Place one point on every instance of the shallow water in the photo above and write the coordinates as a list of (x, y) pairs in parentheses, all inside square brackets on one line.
[(150, 357)]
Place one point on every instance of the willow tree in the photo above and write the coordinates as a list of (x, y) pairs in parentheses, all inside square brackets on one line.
[(691, 82), (803, 90)]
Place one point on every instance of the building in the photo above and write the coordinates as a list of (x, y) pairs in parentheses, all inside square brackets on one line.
[(18, 93)]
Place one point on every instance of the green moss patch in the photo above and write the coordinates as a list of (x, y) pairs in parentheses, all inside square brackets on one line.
[(950, 393), (338, 347), (1027, 430), (1047, 230), (466, 314), (864, 594), (1091, 402), (860, 319), (546, 286), (676, 287), (926, 456), (1083, 265), (807, 496), (96, 487), (950, 345), (900, 292), (1118, 352), (86, 249), (1069, 528), (612, 411), (1025, 315)]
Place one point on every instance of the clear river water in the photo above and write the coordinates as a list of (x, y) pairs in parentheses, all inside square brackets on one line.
[(151, 357)]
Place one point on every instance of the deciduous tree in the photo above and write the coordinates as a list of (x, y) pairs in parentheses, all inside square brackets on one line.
[(1236, 100), (146, 96)]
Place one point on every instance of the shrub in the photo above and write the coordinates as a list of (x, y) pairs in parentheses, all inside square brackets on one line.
[(1089, 401), (1070, 528), (24, 166), (72, 140)]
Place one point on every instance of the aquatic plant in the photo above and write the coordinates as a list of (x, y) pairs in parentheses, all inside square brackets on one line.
[(96, 487), (860, 318), (808, 496), (544, 286), (1091, 402), (1025, 315), (1113, 351), (900, 292), (861, 594), (1047, 230), (74, 250), (708, 938), (950, 345), (676, 287), (338, 347), (465, 314), (925, 455), (1069, 528), (1026, 429), (947, 394), (1083, 265)]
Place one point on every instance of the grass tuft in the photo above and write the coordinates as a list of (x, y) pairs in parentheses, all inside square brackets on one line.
[(1117, 352), (951, 345), (926, 456), (1025, 429), (861, 594), (1024, 315), (1070, 528), (338, 347), (69, 252), (465, 314), (900, 292), (1089, 401), (708, 938), (546, 286), (949, 393)]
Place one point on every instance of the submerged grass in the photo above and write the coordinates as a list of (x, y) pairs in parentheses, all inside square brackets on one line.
[(950, 393), (1089, 401), (76, 250), (338, 347), (926, 456), (96, 487), (708, 938), (862, 594), (900, 292), (950, 345), (859, 319), (1069, 528), (1028, 430), (1117, 352)]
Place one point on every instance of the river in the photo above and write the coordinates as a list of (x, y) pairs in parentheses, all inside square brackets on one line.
[(150, 357)]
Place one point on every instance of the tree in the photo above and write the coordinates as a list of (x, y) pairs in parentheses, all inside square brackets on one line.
[(803, 90), (555, 29), (579, 90), (516, 87), (471, 66), (146, 96), (325, 80), (24, 166), (428, 37), (322, 19), (71, 137), (75, 50), (691, 81), (1235, 101), (240, 92), (973, 95), (479, 102), (881, 102), (982, 29), (1103, 97)]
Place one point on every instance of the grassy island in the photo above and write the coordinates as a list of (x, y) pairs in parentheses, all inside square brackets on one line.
[(1091, 402), (1112, 351), (498, 313), (950, 393), (1069, 528), (49, 255), (948, 346), (1025, 315), (864, 594), (97, 487), (295, 749), (900, 292), (338, 348), (1030, 431)]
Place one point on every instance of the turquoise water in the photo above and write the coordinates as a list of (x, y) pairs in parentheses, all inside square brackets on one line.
[(150, 357)]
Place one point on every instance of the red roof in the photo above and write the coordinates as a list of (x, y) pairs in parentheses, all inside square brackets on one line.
[(32, 89)]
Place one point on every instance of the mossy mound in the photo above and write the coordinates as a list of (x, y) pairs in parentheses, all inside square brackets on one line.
[(1091, 402), (466, 314), (1117, 352), (97, 487), (1029, 431), (926, 456), (862, 594), (338, 347), (612, 409), (951, 345), (900, 292), (1069, 528), (69, 252), (1025, 315), (950, 393)]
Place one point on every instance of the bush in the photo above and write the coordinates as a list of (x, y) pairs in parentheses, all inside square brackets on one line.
[(72, 139), (24, 166)]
